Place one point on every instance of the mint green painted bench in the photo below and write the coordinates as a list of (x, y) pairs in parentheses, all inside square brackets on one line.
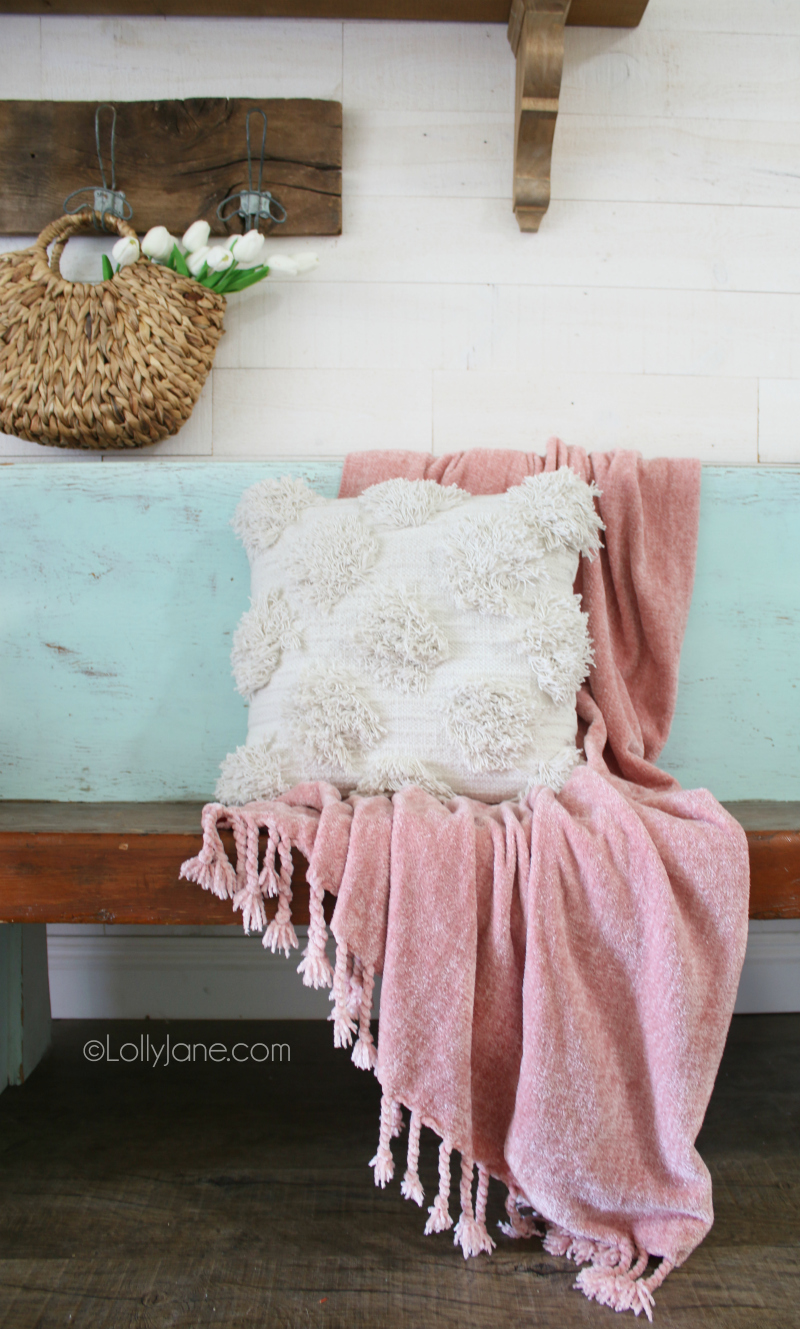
[(122, 584)]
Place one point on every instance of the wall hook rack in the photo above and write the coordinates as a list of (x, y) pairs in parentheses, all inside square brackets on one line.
[(254, 204), (177, 160), (106, 200)]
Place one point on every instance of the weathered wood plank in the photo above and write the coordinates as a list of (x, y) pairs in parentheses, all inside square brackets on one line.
[(591, 13), (100, 878), (31, 817), (78, 863), (175, 161)]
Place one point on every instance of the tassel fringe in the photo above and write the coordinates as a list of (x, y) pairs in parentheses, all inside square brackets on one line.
[(211, 868), (354, 986), (343, 1025), (248, 897), (315, 966), (624, 1290), (612, 1279), (397, 1119), (439, 1217), (411, 1186), (383, 1162), (365, 1053), (470, 1231), (280, 934)]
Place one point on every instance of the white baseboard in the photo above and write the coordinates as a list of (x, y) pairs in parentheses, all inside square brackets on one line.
[(171, 973), (168, 977), (771, 975)]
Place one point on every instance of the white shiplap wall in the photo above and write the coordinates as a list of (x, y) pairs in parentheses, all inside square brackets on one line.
[(657, 308)]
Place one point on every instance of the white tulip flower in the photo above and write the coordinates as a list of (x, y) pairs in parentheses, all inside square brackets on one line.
[(197, 236), (305, 262), (282, 263), (158, 244), (125, 251), (247, 249), (219, 259), (197, 261)]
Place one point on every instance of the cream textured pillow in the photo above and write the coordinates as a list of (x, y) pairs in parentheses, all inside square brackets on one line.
[(413, 635)]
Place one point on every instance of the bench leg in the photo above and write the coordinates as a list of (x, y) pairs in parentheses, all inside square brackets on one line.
[(24, 1000)]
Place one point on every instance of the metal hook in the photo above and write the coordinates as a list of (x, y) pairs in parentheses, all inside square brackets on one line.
[(254, 111), (105, 200), (253, 204), (106, 106)]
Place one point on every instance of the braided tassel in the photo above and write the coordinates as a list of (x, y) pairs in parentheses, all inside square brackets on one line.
[(355, 972), (268, 880), (280, 934), (365, 1053), (411, 1186), (383, 1162), (343, 1025), (439, 1219), (397, 1119), (239, 828), (248, 897), (315, 965), (482, 1195), (470, 1233), (211, 868)]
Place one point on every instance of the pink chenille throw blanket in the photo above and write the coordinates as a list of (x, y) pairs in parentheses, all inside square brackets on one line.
[(558, 975)]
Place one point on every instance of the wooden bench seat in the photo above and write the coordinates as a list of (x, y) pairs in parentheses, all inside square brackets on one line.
[(119, 863)]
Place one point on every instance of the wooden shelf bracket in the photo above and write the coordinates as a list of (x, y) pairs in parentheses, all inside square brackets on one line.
[(536, 34)]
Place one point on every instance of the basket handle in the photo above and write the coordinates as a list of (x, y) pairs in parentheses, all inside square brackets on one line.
[(74, 223)]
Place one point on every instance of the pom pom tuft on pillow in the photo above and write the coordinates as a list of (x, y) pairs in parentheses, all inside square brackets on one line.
[(267, 508)]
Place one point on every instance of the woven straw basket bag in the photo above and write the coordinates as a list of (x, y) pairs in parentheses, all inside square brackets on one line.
[(116, 365)]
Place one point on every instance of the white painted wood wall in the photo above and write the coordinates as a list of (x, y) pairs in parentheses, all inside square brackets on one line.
[(657, 308)]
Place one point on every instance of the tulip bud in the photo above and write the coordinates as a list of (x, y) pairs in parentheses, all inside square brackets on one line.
[(282, 263), (197, 261), (125, 251), (219, 259), (158, 244), (247, 249), (197, 236), (306, 261)]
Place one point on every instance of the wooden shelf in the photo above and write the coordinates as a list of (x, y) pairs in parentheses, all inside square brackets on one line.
[(583, 13), (161, 184), (119, 862)]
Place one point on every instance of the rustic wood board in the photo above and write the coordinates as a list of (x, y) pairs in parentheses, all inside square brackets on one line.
[(107, 863), (583, 13), (176, 161), (84, 877)]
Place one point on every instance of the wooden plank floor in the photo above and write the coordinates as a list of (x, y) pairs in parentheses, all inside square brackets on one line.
[(240, 1195)]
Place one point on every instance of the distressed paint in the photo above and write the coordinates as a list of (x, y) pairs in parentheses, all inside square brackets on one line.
[(122, 586)]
